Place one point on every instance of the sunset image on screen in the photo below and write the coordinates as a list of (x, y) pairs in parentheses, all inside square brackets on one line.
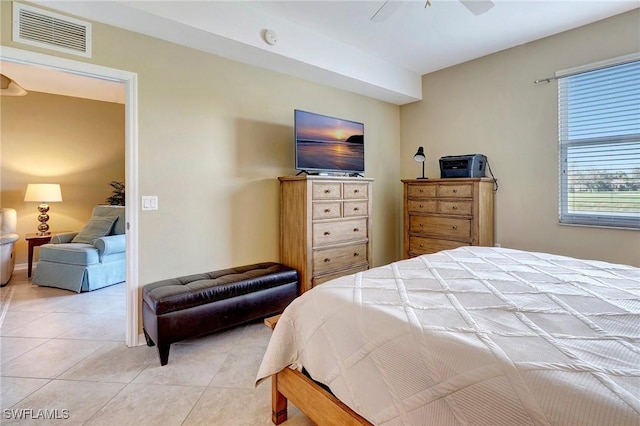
[(328, 143)]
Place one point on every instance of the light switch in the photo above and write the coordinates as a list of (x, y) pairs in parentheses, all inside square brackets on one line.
[(149, 202)]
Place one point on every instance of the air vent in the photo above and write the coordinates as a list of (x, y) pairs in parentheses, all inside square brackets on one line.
[(41, 28)]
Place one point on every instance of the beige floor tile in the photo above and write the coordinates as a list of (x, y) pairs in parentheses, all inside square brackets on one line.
[(114, 362), (226, 338), (48, 326), (98, 327), (12, 347), (72, 402), (240, 368), (236, 407), (189, 365), (15, 389), (255, 334), (144, 404), (89, 364), (50, 359), (15, 319)]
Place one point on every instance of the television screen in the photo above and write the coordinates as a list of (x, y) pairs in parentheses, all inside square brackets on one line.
[(328, 144)]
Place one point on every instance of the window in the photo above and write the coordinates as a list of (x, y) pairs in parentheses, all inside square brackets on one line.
[(599, 129)]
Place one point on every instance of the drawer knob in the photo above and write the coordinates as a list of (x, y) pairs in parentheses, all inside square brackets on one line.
[(327, 260), (356, 209), (356, 254), (327, 233), (421, 225), (455, 207), (454, 227), (455, 191), (327, 210), (421, 245), (421, 206), (356, 229), (421, 190), (355, 191), (327, 191)]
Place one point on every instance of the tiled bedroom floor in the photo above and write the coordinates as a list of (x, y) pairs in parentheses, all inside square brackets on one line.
[(65, 351)]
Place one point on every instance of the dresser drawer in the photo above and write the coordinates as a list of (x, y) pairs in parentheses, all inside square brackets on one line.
[(326, 210), (442, 226), (463, 190), (340, 231), (421, 191), (422, 206), (326, 191), (355, 191), (423, 245), (455, 207), (323, 278), (355, 208), (335, 259)]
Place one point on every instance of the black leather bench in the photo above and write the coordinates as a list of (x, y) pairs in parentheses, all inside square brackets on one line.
[(180, 308)]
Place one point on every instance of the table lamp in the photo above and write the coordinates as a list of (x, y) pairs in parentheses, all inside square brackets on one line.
[(420, 157), (43, 193)]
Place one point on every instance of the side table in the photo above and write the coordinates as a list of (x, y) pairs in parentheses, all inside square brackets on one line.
[(35, 239)]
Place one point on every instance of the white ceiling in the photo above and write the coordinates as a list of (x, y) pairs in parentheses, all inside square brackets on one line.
[(336, 43)]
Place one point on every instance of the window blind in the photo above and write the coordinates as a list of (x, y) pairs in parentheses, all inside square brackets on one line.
[(599, 130)]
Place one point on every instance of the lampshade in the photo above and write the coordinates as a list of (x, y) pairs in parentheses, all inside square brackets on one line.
[(419, 155), (43, 192)]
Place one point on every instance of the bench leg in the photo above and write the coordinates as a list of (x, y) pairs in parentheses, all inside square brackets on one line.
[(148, 338), (163, 352)]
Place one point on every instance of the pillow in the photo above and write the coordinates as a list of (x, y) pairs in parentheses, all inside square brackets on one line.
[(98, 226)]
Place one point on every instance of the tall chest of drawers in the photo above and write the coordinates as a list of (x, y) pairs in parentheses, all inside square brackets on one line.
[(441, 214), (325, 226)]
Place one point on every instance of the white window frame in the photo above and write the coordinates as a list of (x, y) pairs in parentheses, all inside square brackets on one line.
[(567, 216)]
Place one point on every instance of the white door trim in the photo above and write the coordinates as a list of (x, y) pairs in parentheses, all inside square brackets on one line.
[(130, 81)]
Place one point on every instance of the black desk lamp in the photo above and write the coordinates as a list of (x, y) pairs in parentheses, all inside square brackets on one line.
[(420, 157)]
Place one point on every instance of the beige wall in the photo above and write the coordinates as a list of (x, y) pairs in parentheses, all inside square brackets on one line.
[(491, 106), (214, 135), (77, 143)]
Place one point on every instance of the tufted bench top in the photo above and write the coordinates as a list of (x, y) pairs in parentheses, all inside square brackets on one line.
[(176, 294)]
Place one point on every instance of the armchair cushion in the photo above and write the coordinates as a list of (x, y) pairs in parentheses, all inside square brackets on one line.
[(71, 254), (63, 238), (98, 226)]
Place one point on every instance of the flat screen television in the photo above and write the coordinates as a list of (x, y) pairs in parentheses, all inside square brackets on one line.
[(328, 144)]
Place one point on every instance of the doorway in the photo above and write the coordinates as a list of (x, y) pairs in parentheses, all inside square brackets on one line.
[(130, 81)]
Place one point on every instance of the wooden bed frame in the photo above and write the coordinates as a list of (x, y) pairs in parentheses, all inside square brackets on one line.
[(316, 403)]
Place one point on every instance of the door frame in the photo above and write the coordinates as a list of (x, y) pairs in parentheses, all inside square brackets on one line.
[(130, 81)]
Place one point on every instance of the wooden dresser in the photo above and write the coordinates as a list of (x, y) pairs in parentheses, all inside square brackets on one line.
[(325, 226), (442, 214)]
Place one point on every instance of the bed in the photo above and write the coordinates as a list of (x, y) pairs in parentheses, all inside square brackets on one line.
[(474, 335)]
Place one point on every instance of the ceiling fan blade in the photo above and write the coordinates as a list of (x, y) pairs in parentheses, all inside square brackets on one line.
[(477, 7), (387, 9)]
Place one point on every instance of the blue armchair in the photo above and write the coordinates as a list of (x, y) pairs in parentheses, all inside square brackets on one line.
[(87, 260)]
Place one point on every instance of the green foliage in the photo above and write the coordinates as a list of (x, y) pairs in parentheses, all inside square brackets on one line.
[(117, 198)]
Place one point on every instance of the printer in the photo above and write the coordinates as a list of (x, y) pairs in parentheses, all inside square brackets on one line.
[(463, 166)]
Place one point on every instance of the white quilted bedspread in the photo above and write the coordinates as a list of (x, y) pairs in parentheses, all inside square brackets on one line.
[(474, 335)]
